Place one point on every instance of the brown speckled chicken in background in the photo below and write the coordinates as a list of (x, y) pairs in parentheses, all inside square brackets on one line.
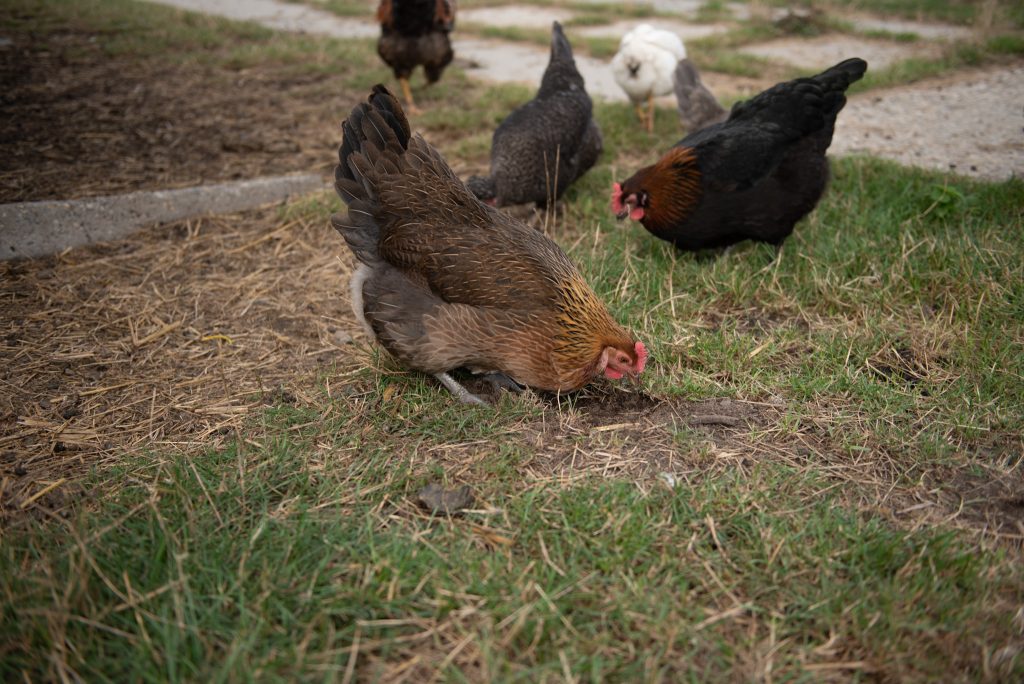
[(445, 281), (752, 176), (415, 32), (543, 146)]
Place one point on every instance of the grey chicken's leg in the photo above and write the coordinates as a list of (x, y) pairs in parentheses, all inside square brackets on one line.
[(460, 392), (500, 381)]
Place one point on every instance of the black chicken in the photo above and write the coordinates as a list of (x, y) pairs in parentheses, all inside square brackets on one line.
[(542, 147), (414, 32), (752, 176)]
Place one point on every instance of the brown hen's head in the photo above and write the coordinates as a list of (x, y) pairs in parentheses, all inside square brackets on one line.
[(590, 343), (616, 362), (662, 195)]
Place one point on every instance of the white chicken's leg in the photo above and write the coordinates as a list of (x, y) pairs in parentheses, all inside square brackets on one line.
[(650, 113), (639, 111), (460, 392)]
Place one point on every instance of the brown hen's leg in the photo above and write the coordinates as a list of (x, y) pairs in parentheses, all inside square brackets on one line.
[(500, 381), (460, 392), (410, 106)]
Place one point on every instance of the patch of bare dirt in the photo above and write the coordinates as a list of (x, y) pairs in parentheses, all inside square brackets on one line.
[(611, 430), (990, 496), (969, 122), (75, 122)]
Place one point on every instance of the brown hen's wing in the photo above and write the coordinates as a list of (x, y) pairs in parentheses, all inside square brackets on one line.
[(467, 252)]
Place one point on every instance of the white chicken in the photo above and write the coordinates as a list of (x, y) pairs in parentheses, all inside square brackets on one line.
[(644, 65)]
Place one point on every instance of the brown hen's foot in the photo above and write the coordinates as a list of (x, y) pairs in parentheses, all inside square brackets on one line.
[(460, 392), (500, 381)]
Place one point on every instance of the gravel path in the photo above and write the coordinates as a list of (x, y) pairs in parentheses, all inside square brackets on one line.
[(970, 123)]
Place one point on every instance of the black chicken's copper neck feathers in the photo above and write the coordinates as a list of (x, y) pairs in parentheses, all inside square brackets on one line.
[(672, 187)]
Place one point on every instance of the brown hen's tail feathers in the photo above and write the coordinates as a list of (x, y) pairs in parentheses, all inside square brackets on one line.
[(380, 122), (377, 125)]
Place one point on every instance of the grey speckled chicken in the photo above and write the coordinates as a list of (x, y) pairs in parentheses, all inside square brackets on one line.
[(698, 107), (542, 147)]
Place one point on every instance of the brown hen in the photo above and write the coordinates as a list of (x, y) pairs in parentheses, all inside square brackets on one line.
[(446, 281)]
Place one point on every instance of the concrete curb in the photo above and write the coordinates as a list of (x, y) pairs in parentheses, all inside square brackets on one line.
[(34, 229)]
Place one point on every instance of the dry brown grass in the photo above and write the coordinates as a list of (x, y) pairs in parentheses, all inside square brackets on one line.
[(162, 342)]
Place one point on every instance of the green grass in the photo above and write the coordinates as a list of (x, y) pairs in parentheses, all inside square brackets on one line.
[(843, 535), (288, 559)]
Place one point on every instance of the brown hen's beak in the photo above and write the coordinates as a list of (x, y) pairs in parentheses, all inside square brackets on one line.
[(623, 214), (634, 378)]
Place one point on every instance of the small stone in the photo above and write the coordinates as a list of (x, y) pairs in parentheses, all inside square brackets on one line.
[(437, 499)]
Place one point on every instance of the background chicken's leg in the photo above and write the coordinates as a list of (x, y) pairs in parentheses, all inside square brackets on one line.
[(640, 112), (460, 392), (407, 92), (650, 113)]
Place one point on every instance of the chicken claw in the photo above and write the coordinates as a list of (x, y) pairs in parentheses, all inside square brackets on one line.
[(500, 381), (460, 392)]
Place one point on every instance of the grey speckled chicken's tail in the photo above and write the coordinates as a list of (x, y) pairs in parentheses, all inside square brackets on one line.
[(483, 187), (561, 49), (698, 107), (376, 128)]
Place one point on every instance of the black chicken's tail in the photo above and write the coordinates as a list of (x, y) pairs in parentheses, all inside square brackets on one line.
[(836, 80), (803, 106), (375, 130)]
